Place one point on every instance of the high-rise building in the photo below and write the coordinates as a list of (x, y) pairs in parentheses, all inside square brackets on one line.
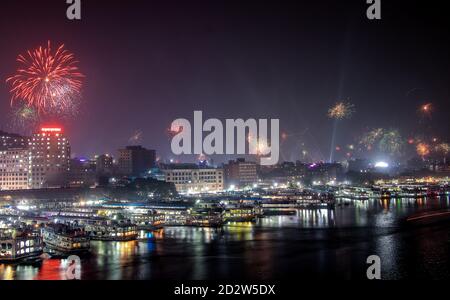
[(50, 158), (358, 165), (325, 172), (136, 160), (82, 172), (105, 164), (11, 140), (240, 173), (190, 178), (14, 169)]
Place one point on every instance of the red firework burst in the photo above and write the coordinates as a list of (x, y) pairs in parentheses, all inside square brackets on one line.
[(47, 80)]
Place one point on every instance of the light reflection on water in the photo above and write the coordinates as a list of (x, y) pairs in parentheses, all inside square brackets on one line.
[(313, 242), (303, 218)]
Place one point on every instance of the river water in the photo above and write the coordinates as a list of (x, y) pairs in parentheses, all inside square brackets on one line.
[(313, 244)]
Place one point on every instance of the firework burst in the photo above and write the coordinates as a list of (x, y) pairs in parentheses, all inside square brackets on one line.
[(260, 145), (426, 110), (136, 138), (171, 132), (48, 81), (391, 142), (24, 118), (372, 137), (388, 141), (262, 148), (341, 111), (443, 148), (423, 149)]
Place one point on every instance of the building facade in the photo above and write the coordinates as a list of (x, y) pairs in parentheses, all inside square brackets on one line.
[(14, 169), (136, 160), (11, 140), (82, 172), (104, 165), (193, 179), (50, 158), (240, 173)]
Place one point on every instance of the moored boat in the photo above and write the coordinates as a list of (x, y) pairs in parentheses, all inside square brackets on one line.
[(112, 231), (20, 244), (205, 217), (239, 213), (149, 221), (64, 239)]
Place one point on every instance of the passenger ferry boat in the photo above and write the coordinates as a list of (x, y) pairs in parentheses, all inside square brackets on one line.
[(112, 231), (205, 217), (299, 199), (20, 244), (150, 221), (357, 193), (240, 213), (62, 239)]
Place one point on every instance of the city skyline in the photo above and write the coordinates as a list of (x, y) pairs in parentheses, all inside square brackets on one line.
[(223, 147), (236, 63)]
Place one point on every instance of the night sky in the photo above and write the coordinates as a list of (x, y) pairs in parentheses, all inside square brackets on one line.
[(148, 63)]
